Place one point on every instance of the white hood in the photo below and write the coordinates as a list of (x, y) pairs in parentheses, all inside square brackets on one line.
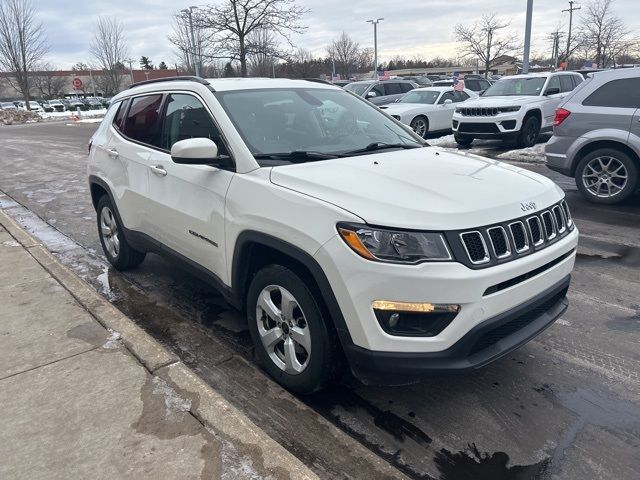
[(501, 101), (424, 188)]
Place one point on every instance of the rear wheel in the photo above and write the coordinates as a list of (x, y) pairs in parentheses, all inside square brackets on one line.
[(607, 176), (420, 125), (292, 339), (463, 140), (529, 132), (119, 253)]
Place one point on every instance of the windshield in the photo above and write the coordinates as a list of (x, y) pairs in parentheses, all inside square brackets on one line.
[(357, 88), (421, 96), (516, 86), (322, 121)]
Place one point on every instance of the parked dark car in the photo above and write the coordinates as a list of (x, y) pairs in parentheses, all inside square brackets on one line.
[(381, 92)]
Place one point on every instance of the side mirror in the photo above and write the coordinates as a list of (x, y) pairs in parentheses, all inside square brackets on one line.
[(448, 101), (371, 94), (197, 151), (552, 91)]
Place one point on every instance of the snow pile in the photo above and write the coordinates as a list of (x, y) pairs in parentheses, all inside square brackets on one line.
[(533, 154), (446, 142), (11, 117), (67, 115)]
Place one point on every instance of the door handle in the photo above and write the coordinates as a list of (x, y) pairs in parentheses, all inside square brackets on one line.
[(158, 170), (113, 153)]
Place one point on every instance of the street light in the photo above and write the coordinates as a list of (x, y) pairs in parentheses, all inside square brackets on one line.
[(375, 44), (189, 13)]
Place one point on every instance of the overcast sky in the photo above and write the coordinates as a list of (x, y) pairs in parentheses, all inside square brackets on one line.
[(423, 27)]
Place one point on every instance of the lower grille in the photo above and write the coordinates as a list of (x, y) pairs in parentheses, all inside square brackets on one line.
[(495, 335), (478, 128)]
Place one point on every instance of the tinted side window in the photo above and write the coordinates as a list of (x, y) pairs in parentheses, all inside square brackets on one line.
[(119, 117), (566, 85), (623, 93), (406, 87), (577, 79), (392, 88), (379, 90), (446, 96), (459, 96), (554, 82), (143, 120), (185, 118), (484, 84)]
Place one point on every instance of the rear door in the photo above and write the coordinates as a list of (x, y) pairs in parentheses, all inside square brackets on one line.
[(188, 201)]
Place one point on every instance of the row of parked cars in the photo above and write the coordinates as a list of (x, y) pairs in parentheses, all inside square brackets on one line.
[(595, 121), (58, 105)]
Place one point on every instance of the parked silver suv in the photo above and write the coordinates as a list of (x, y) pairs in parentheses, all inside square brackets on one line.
[(381, 92), (596, 136)]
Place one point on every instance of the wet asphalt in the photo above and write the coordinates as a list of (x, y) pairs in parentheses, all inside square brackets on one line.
[(566, 405)]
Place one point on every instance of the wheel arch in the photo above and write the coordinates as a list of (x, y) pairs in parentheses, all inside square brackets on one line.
[(534, 112), (599, 144), (254, 250)]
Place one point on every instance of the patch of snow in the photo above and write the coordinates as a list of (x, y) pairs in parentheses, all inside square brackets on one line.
[(113, 340), (67, 115), (234, 464), (533, 154), (172, 401), (11, 243), (447, 142)]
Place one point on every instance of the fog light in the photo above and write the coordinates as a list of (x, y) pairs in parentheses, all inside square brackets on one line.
[(414, 319)]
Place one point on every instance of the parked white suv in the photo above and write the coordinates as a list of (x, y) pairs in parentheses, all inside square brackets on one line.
[(516, 108), (337, 231)]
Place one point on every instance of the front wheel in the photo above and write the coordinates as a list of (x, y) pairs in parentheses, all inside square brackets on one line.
[(293, 341), (606, 176), (420, 125), (463, 140), (529, 133)]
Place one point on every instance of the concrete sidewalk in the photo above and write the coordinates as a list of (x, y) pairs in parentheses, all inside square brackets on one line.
[(85, 393)]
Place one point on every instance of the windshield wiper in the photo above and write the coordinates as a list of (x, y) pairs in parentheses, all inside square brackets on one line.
[(375, 146), (296, 156)]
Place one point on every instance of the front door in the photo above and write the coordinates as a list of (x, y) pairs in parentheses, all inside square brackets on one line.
[(189, 200)]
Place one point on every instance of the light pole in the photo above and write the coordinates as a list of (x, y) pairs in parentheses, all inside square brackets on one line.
[(375, 44), (527, 38), (189, 13), (570, 10)]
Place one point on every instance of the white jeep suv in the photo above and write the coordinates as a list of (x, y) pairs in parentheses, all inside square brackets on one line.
[(514, 108), (343, 237)]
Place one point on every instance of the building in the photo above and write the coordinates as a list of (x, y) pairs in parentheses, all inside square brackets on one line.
[(75, 83)]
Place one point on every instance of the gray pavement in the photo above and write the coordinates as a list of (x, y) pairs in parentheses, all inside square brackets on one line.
[(565, 406), (76, 403)]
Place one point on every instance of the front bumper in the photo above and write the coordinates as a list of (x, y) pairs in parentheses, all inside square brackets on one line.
[(483, 344), (503, 125)]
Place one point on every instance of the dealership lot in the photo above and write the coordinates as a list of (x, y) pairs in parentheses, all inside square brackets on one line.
[(565, 406)]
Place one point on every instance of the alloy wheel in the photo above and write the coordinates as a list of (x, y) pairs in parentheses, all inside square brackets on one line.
[(605, 176), (419, 125), (283, 329), (109, 232)]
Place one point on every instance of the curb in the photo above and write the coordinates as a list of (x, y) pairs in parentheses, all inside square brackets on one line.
[(211, 409)]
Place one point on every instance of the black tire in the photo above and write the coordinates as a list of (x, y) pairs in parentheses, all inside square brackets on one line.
[(612, 158), (125, 256), (323, 364), (463, 140), (529, 132), (420, 122)]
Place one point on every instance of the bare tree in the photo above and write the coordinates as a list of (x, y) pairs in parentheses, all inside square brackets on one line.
[(181, 38), (47, 83), (22, 43), (346, 54), (265, 53), (484, 41), (109, 49), (603, 34), (232, 23)]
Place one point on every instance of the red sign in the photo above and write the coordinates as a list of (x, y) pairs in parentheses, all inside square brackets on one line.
[(77, 83)]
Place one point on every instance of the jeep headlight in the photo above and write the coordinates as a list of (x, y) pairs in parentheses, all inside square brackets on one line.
[(395, 246), (515, 108)]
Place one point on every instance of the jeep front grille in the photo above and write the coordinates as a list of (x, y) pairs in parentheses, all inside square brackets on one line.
[(507, 241), (475, 247), (478, 112)]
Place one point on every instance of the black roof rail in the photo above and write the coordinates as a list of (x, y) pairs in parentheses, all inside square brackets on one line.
[(200, 80)]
